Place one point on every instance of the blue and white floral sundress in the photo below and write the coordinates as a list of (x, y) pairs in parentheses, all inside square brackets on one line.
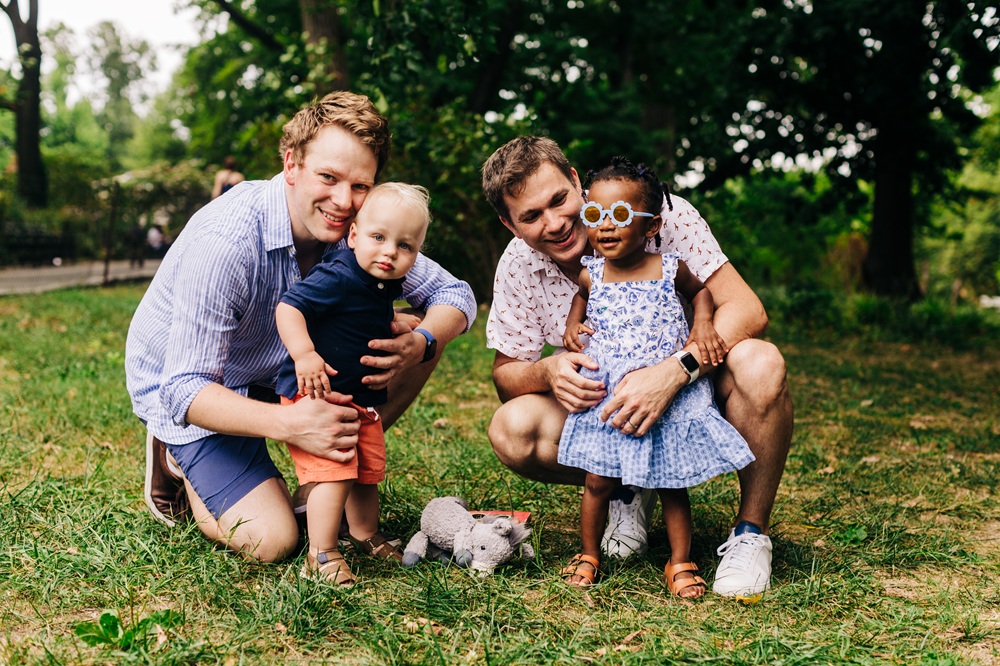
[(638, 324)]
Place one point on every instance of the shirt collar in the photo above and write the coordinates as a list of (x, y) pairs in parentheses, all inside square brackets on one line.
[(346, 255), (277, 221), (537, 262)]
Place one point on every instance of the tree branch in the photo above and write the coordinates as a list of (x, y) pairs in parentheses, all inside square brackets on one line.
[(255, 31)]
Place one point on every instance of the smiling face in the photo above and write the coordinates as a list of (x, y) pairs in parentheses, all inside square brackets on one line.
[(326, 188), (387, 235), (621, 245), (546, 216)]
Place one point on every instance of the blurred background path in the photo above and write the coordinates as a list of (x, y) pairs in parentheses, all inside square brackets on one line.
[(34, 280)]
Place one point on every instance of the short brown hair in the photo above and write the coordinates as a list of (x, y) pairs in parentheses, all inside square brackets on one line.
[(355, 113), (507, 169)]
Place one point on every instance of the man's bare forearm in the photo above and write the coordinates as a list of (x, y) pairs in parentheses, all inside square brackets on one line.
[(739, 314), (514, 378), (221, 410)]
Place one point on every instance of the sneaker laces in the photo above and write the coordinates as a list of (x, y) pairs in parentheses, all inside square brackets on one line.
[(624, 513), (741, 549)]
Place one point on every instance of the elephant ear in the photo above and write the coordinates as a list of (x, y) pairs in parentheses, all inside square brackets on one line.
[(519, 533), (502, 526)]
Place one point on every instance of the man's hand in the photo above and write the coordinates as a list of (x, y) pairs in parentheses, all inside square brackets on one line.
[(403, 351), (643, 395), (573, 391), (326, 428)]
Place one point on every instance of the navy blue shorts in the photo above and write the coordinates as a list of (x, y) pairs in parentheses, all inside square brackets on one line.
[(223, 469)]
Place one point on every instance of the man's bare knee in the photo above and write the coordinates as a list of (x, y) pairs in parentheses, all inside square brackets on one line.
[(270, 544), (503, 440), (757, 372), (274, 548)]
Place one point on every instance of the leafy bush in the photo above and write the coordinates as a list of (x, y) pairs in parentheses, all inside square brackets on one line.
[(814, 311)]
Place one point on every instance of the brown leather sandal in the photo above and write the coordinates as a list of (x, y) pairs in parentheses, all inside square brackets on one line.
[(584, 566), (380, 546), (328, 566), (670, 573)]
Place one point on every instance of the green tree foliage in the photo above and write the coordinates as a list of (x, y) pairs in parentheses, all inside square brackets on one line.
[(120, 64), (876, 88), (963, 259), (734, 90)]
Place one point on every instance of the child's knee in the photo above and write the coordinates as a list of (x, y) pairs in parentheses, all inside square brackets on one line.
[(601, 487)]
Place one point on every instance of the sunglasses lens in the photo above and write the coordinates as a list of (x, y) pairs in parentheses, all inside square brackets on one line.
[(620, 214), (592, 214)]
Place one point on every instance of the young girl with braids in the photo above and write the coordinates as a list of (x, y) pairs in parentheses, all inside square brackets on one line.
[(629, 298)]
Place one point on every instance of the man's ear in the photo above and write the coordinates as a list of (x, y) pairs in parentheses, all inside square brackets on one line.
[(510, 225), (289, 168), (576, 180)]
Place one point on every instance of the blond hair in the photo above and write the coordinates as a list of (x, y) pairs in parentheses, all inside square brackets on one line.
[(413, 198), (354, 113)]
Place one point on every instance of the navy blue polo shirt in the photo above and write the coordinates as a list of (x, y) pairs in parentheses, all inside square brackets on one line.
[(344, 308)]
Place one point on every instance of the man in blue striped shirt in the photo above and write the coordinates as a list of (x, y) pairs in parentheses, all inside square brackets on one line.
[(203, 340)]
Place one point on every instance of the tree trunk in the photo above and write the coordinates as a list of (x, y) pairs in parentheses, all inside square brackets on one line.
[(490, 74), (888, 269), (32, 183), (322, 26)]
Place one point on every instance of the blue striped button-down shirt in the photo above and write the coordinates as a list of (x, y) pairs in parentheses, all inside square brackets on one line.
[(208, 315)]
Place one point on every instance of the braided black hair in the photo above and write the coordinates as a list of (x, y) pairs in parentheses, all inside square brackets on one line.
[(651, 189)]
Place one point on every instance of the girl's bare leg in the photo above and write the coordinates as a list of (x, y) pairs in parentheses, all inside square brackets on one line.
[(677, 516)]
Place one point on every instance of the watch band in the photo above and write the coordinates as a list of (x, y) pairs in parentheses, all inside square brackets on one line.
[(689, 363), (431, 348)]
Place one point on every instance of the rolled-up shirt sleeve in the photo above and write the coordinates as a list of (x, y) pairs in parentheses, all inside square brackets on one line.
[(212, 281), (428, 284)]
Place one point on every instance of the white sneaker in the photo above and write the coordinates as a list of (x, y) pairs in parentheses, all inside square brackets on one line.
[(628, 523), (745, 569)]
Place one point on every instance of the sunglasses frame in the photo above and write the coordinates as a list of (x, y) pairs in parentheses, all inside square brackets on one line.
[(592, 205)]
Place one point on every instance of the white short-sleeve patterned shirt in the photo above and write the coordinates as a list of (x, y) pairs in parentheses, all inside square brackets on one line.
[(531, 296)]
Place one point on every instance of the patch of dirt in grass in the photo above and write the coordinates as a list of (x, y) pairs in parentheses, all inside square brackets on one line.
[(985, 651), (923, 585), (984, 539)]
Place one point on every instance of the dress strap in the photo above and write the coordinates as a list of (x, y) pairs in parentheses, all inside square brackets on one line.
[(595, 266), (670, 260)]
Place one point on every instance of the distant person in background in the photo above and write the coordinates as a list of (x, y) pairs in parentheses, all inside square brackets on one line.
[(227, 178), (136, 242), (156, 238)]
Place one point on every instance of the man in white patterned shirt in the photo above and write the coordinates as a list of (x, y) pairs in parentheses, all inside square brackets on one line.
[(538, 196), (203, 342)]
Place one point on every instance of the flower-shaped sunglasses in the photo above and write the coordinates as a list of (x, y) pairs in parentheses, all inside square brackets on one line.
[(621, 214)]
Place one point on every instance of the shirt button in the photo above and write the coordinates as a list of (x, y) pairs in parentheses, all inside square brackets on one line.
[(381, 285)]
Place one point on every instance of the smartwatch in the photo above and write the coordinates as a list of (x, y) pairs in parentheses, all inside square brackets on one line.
[(432, 344), (689, 363)]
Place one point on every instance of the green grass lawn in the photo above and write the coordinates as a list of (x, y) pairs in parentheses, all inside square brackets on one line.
[(886, 530)]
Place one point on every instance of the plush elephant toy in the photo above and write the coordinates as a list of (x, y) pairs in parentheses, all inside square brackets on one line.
[(448, 531)]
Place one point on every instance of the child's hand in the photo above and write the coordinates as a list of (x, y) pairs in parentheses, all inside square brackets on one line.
[(710, 344), (571, 338), (313, 374)]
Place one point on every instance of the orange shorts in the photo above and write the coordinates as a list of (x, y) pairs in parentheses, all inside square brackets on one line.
[(368, 464)]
